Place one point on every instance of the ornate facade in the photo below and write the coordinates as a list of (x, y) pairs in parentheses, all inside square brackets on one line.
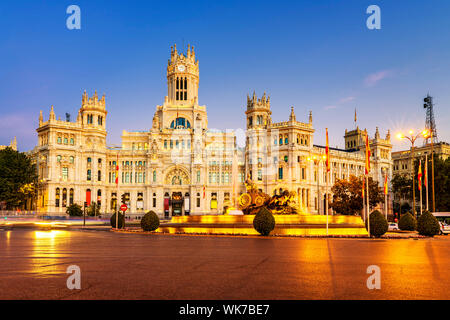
[(180, 166)]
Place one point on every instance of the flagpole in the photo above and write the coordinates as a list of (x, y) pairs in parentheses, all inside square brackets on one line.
[(420, 185), (364, 201), (385, 194), (117, 197), (326, 197), (368, 203), (327, 149), (426, 178)]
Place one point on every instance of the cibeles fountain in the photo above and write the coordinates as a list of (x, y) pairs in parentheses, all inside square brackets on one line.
[(289, 220)]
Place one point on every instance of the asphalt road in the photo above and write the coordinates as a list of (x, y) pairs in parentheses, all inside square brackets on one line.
[(128, 266)]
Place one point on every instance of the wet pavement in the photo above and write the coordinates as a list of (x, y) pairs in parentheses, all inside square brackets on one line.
[(33, 265)]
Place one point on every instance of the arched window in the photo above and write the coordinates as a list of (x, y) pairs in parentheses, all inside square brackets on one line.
[(64, 197), (57, 197), (180, 123), (99, 197), (71, 197)]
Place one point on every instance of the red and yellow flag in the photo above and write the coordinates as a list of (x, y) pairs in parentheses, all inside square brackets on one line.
[(367, 155), (419, 175), (117, 174), (385, 184), (327, 151), (204, 192)]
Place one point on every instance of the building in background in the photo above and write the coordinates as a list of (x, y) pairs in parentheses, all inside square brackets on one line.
[(402, 159), (12, 145), (180, 166)]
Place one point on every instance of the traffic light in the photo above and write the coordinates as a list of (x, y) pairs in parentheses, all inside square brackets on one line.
[(124, 198)]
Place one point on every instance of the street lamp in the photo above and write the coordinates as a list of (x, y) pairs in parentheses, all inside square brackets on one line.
[(412, 138), (317, 160)]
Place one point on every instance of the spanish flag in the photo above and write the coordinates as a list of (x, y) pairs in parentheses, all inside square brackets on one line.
[(419, 175), (385, 184), (327, 150), (117, 174), (367, 155)]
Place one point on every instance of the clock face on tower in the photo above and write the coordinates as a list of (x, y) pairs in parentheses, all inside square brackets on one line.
[(181, 68)]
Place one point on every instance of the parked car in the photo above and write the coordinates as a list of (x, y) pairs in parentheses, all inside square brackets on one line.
[(445, 228), (393, 226)]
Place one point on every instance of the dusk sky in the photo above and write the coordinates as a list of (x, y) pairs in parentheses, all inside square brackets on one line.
[(313, 55)]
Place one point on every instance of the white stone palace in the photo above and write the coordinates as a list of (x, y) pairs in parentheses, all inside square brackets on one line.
[(180, 166)]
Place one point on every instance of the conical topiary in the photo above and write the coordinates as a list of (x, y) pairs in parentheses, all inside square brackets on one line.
[(121, 220), (264, 222), (150, 221), (378, 224), (428, 225), (407, 222)]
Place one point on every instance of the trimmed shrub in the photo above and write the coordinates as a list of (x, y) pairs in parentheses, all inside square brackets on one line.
[(428, 225), (407, 222), (264, 222), (150, 221), (378, 224), (121, 220)]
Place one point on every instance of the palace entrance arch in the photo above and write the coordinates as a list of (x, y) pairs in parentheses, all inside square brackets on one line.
[(177, 192)]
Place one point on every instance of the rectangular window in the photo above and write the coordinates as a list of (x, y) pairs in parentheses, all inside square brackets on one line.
[(259, 175), (65, 173), (198, 176), (280, 173)]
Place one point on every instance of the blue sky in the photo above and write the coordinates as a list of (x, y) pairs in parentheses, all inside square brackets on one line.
[(313, 55)]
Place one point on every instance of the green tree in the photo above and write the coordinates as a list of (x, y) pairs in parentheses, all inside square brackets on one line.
[(441, 184), (74, 210), (93, 209), (18, 178), (347, 195)]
